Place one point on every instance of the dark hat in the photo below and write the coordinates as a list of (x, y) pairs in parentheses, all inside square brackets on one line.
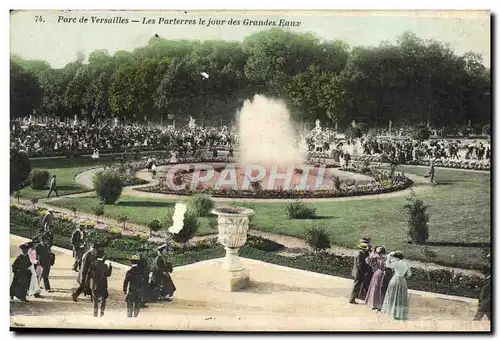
[(30, 245), (365, 240), (24, 246)]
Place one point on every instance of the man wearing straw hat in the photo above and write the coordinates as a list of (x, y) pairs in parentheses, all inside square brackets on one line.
[(358, 271), (132, 287)]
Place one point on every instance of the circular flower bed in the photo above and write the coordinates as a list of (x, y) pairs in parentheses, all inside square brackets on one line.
[(383, 183)]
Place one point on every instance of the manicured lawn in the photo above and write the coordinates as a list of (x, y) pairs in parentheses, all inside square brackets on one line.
[(65, 171), (459, 209), (137, 210)]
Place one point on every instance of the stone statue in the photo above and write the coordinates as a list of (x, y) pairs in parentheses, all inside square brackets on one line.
[(318, 124), (191, 123)]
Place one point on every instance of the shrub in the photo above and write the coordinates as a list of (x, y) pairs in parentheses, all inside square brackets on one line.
[(189, 229), (108, 186), (418, 218), (39, 178), (154, 225), (201, 204), (98, 210), (17, 195), (299, 210), (317, 238), (20, 168), (168, 220), (123, 219)]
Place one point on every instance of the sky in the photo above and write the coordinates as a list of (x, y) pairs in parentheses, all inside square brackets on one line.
[(54, 39)]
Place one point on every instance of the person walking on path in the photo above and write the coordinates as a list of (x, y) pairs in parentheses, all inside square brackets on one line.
[(22, 275), (358, 271), (374, 293), (45, 261), (161, 282), (396, 299), (83, 275), (46, 222), (432, 172), (53, 186), (367, 271), (34, 287), (484, 307), (132, 288), (78, 240), (99, 273)]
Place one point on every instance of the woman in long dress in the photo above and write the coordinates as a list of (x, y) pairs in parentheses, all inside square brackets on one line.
[(161, 281), (396, 298), (34, 288), (374, 292)]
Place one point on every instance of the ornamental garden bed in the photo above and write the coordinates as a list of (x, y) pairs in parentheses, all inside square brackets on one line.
[(383, 183), (442, 162), (119, 247)]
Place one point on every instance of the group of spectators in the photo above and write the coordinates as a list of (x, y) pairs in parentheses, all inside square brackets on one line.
[(60, 139), (408, 150)]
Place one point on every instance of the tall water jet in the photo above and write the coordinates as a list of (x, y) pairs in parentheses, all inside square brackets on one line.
[(266, 134)]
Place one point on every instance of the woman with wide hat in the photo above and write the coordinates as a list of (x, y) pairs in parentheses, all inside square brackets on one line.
[(34, 287), (22, 275), (396, 297)]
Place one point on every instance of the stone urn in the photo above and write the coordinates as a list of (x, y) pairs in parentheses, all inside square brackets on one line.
[(233, 227)]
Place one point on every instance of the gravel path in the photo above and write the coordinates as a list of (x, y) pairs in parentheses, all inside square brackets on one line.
[(300, 300)]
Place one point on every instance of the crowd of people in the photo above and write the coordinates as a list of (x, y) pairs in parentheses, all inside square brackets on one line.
[(49, 139), (140, 284), (406, 150), (380, 282)]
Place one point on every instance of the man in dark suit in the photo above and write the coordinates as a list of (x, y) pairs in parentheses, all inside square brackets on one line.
[(83, 275), (78, 239), (99, 273), (132, 287), (53, 186), (358, 271), (44, 259)]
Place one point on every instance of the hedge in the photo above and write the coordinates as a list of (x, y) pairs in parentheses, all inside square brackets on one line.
[(119, 248)]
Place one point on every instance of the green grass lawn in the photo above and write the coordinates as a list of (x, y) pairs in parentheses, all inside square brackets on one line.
[(65, 171), (137, 210), (459, 209)]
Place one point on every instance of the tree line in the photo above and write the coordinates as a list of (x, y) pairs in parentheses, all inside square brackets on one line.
[(414, 81)]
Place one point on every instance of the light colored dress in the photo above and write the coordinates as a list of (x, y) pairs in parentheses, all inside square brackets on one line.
[(396, 297), (34, 287)]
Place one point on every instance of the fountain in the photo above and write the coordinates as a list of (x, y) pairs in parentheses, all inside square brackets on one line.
[(267, 134), (270, 159)]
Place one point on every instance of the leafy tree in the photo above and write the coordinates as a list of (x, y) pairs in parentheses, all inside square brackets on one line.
[(25, 92), (20, 169)]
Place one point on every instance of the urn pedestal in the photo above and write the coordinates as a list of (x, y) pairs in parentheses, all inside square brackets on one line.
[(233, 227)]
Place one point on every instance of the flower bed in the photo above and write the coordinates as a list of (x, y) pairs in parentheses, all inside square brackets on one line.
[(119, 248), (383, 184), (441, 162)]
